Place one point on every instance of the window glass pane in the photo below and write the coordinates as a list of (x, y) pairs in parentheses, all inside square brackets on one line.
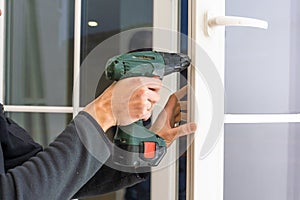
[(112, 17), (262, 66), (43, 127), (262, 161), (39, 52)]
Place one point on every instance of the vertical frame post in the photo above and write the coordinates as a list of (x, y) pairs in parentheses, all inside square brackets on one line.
[(77, 40), (165, 17), (205, 175)]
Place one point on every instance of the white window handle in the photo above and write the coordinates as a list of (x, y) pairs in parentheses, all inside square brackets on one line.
[(210, 22)]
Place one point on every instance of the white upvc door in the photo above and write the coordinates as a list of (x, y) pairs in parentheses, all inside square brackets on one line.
[(245, 110)]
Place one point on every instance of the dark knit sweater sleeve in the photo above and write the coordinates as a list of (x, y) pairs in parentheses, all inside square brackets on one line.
[(107, 180), (63, 168)]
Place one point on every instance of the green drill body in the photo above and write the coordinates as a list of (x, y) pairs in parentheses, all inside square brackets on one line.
[(134, 140)]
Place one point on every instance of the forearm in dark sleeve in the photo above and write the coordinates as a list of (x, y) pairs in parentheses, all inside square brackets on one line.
[(63, 168), (107, 180)]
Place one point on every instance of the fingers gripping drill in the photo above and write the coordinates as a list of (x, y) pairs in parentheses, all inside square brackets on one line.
[(137, 146)]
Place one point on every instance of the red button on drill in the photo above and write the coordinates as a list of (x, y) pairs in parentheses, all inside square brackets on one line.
[(149, 149)]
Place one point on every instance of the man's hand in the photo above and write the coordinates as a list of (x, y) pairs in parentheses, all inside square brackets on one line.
[(125, 102), (164, 126)]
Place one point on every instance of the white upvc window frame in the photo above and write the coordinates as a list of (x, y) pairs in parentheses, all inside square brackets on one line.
[(165, 17), (75, 108)]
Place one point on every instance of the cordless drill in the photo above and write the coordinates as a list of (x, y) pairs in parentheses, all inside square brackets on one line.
[(136, 145)]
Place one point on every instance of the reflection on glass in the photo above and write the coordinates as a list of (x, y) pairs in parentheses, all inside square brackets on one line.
[(262, 66), (43, 127), (39, 52), (262, 161)]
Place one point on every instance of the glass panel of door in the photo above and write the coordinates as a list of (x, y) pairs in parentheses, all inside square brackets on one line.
[(262, 161), (262, 66)]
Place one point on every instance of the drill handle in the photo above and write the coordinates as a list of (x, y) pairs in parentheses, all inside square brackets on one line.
[(136, 146)]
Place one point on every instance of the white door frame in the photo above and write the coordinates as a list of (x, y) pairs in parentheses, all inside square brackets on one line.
[(165, 16), (205, 176)]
